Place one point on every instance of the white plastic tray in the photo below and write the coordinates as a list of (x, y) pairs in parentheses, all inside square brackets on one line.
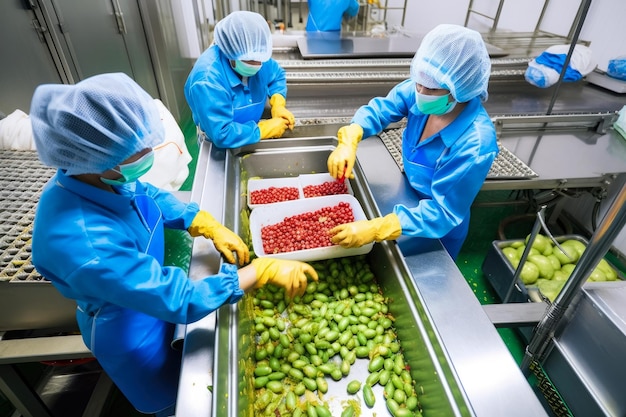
[(277, 212), (255, 184), (300, 182)]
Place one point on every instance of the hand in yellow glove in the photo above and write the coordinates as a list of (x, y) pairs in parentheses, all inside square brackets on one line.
[(278, 103), (225, 240), (272, 128), (341, 160), (362, 232), (291, 275)]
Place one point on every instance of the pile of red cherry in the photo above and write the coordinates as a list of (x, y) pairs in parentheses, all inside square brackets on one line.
[(305, 231), (327, 188), (274, 195)]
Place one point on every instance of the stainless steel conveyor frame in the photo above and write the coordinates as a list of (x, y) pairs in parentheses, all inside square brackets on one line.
[(491, 380)]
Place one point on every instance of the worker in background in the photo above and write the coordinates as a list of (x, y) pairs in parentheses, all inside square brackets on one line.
[(328, 15), (230, 83), (448, 144), (98, 236)]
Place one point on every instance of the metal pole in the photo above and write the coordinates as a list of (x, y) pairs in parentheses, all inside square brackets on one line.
[(522, 261), (583, 14), (599, 244)]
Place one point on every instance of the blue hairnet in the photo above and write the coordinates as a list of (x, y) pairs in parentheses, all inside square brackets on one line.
[(244, 36), (454, 58), (92, 126)]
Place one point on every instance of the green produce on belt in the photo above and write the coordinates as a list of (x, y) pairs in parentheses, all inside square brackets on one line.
[(548, 267), (341, 319)]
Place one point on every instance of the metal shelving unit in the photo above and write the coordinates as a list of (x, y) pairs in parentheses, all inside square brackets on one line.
[(526, 42)]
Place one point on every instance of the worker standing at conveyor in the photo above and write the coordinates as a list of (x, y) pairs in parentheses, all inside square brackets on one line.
[(98, 236), (448, 145), (230, 83), (327, 15)]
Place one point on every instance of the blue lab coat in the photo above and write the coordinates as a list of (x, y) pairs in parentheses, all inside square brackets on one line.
[(447, 169), (105, 250), (226, 107), (327, 15)]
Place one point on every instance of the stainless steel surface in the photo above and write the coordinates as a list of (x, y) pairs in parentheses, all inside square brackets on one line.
[(464, 342), (563, 152), (288, 158), (491, 380), (598, 246), (515, 314), (194, 398), (585, 360), (327, 88), (357, 47)]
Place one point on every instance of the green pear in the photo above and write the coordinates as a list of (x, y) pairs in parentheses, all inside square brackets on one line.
[(541, 242), (543, 263), (570, 256), (597, 276), (568, 269), (556, 264), (530, 273), (550, 288), (605, 267), (560, 276), (511, 255), (576, 244), (520, 251)]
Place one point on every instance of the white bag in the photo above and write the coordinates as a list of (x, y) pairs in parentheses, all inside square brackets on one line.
[(544, 70), (171, 158), (16, 132)]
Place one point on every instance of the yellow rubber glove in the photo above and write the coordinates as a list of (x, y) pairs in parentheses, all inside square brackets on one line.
[(362, 232), (291, 275), (272, 128), (225, 240), (278, 103), (341, 160)]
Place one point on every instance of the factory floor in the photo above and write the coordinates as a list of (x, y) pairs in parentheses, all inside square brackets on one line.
[(485, 221)]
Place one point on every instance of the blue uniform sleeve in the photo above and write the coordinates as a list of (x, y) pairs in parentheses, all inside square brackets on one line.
[(118, 274), (456, 180), (176, 214), (277, 80), (213, 112), (381, 111)]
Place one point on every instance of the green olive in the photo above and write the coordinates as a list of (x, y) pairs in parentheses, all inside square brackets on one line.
[(353, 387)]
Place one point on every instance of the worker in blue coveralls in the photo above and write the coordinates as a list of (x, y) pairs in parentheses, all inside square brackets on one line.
[(448, 145), (231, 81), (327, 15), (98, 236)]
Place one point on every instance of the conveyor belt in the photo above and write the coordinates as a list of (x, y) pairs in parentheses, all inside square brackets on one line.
[(505, 166), (22, 178)]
